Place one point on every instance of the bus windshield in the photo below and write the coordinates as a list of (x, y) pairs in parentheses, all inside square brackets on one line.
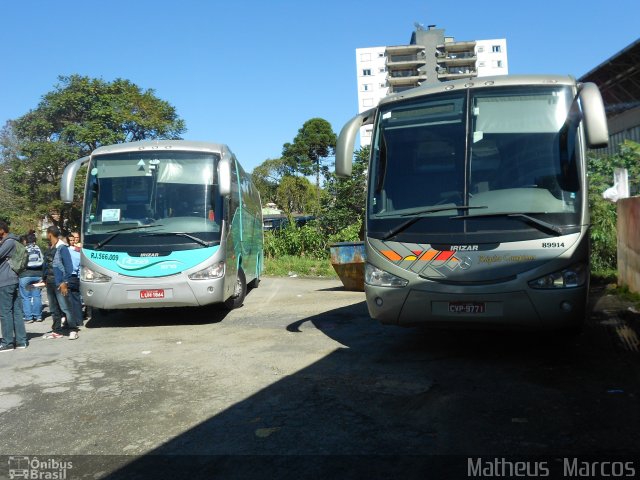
[(486, 154), (135, 195)]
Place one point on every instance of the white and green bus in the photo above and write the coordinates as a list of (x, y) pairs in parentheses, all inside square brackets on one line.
[(477, 209), (166, 224)]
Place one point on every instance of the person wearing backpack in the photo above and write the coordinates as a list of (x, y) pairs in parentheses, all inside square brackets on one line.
[(14, 333), (32, 296)]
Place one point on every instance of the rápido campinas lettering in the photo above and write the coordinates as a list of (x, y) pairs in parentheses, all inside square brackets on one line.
[(509, 258)]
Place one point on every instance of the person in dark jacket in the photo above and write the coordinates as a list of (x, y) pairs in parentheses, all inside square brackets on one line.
[(14, 334), (56, 273)]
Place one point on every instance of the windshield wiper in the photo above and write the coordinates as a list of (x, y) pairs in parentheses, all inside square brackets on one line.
[(198, 240), (115, 233), (541, 224), (420, 214)]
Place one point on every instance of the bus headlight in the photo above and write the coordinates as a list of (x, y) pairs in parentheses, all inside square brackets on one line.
[(88, 275), (574, 276), (214, 271), (379, 278)]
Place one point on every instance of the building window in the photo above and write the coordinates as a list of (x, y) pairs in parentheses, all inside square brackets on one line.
[(382, 69), (480, 49), (365, 57), (380, 54), (366, 87), (382, 85), (496, 64), (366, 72), (367, 102), (496, 49)]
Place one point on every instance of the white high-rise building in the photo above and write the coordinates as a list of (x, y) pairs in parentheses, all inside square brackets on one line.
[(372, 83), (430, 57)]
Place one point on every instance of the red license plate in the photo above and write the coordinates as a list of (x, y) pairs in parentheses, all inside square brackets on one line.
[(466, 307), (145, 294)]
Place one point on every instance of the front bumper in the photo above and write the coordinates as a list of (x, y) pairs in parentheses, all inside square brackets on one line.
[(517, 308), (177, 291)]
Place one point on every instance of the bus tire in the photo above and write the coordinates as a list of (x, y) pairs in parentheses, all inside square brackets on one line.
[(240, 291)]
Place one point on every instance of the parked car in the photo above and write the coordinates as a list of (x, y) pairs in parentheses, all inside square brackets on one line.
[(277, 222)]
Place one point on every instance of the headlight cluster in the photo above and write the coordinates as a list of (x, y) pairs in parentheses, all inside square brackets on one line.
[(88, 275), (210, 273), (379, 278), (574, 276)]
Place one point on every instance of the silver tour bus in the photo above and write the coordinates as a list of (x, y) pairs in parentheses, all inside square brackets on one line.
[(477, 207), (167, 223)]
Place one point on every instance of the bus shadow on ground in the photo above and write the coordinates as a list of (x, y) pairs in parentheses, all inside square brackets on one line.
[(156, 317), (403, 403)]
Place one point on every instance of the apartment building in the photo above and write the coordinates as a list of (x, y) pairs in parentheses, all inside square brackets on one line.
[(429, 57)]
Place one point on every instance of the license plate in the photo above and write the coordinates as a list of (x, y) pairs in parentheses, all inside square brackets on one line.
[(145, 294), (466, 307)]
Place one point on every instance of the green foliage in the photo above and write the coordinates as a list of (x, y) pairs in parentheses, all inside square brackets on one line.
[(266, 177), (603, 212), (306, 241), (79, 115), (312, 145), (350, 233), (314, 142), (296, 195), (603, 233), (601, 167), (345, 201)]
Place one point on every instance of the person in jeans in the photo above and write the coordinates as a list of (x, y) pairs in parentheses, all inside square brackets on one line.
[(31, 296), (75, 298), (56, 273), (14, 334)]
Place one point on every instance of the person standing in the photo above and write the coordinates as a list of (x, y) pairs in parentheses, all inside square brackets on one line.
[(75, 298), (31, 296), (14, 333), (56, 273)]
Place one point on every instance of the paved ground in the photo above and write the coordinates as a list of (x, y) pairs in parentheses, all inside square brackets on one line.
[(300, 369)]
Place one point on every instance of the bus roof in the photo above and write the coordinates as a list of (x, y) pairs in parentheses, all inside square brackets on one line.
[(163, 145), (480, 82)]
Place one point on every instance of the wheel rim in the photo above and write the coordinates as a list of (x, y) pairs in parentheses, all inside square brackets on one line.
[(238, 289)]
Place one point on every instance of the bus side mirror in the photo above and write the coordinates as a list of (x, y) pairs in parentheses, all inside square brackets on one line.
[(346, 142), (594, 116), (224, 176), (69, 178)]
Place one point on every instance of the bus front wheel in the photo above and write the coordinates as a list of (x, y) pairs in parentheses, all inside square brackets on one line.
[(239, 292)]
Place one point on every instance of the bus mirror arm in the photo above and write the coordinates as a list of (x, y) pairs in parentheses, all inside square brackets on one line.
[(346, 142), (594, 116), (68, 179), (224, 176)]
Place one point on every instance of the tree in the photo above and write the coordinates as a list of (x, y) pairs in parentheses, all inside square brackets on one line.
[(295, 194), (314, 143), (266, 177), (345, 201), (78, 116)]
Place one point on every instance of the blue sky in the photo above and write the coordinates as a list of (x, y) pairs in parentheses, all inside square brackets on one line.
[(249, 73)]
